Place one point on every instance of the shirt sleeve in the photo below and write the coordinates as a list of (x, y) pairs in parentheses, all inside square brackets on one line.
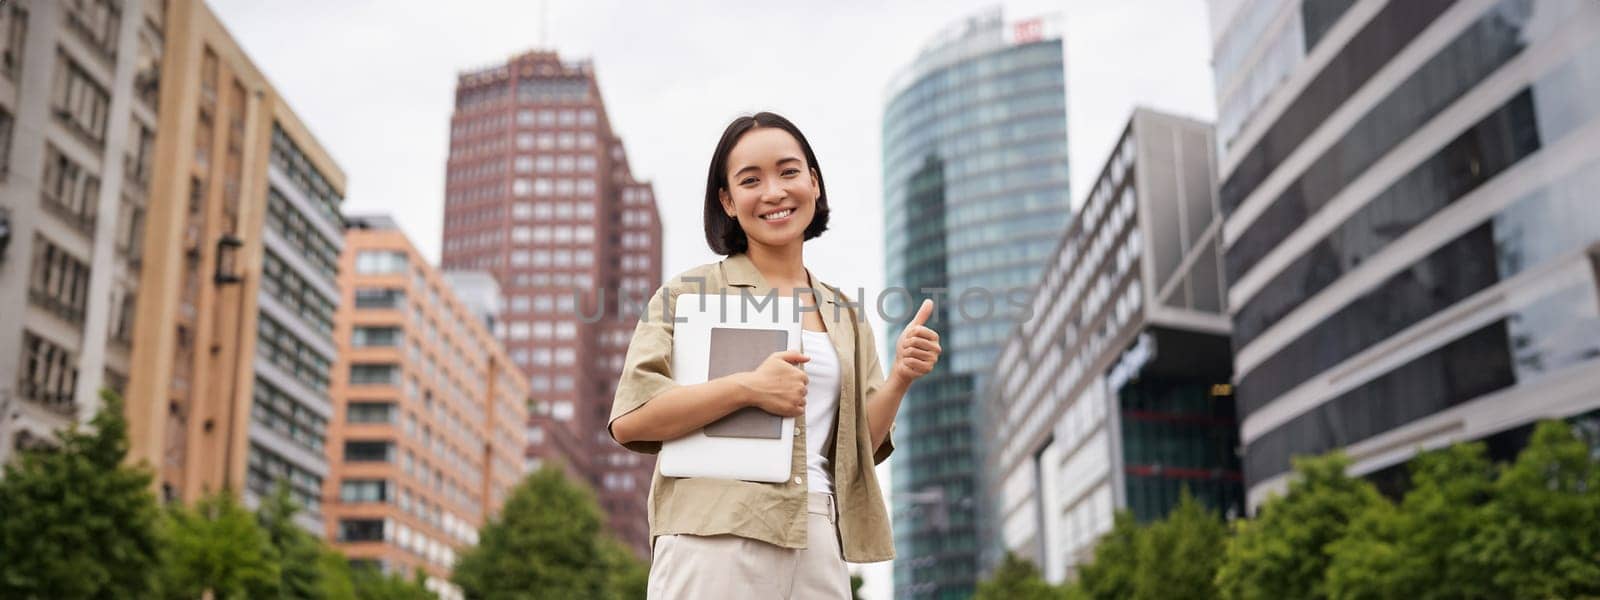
[(874, 381), (647, 370)]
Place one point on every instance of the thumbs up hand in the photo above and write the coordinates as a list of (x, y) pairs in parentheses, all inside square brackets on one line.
[(917, 350)]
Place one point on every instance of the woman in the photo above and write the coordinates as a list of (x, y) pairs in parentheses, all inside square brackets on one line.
[(724, 538)]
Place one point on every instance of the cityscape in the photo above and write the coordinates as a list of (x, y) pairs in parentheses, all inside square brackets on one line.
[(1328, 328)]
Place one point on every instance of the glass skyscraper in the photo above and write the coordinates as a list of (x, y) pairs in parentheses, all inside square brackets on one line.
[(1411, 236), (975, 200)]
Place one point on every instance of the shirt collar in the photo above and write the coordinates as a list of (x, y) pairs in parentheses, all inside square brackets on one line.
[(739, 271)]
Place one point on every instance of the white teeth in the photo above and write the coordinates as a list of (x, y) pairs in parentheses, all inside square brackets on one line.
[(778, 215)]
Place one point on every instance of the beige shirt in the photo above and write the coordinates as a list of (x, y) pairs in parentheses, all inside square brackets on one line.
[(770, 512)]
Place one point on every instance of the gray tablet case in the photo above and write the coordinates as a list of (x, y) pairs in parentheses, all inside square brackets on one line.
[(734, 350)]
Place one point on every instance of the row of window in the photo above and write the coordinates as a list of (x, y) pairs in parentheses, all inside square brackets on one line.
[(69, 190), (267, 469), (287, 221), (59, 282), (97, 22), (1456, 69), (80, 101), (1394, 27), (14, 29), (282, 283), (283, 348), (288, 157), (276, 410), (49, 374)]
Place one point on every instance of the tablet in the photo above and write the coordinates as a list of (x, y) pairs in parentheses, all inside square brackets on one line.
[(717, 335)]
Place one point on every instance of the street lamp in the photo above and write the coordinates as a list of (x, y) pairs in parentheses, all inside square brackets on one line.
[(227, 258)]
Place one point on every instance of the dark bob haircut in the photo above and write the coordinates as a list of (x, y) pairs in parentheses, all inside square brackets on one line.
[(723, 232)]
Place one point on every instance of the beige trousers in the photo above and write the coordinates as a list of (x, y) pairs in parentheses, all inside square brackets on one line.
[(729, 566)]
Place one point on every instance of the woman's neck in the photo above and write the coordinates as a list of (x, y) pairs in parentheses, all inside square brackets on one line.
[(782, 266)]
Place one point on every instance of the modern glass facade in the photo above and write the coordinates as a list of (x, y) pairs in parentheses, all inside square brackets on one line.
[(975, 196), (1113, 393), (1409, 238)]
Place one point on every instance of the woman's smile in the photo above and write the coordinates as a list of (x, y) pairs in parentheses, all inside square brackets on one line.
[(778, 217)]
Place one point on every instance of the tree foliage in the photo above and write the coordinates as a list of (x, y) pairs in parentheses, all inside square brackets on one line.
[(548, 542), (75, 522), (1284, 551)]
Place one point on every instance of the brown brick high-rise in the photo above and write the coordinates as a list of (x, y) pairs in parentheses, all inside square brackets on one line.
[(538, 193)]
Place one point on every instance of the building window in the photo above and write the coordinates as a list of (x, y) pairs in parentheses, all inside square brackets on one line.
[(14, 25), (293, 226), (295, 293), (286, 156), (49, 374), (374, 374), (361, 530), (364, 490), (96, 21), (385, 298), (368, 451), (69, 191), (60, 282), (367, 337), (280, 347), (381, 262), (275, 410), (267, 468), (7, 123), (79, 101), (370, 412)]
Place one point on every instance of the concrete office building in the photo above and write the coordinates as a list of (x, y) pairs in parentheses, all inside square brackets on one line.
[(78, 106), (975, 196), (1410, 230), (234, 327), (539, 194), (427, 436), (1114, 393), (152, 173)]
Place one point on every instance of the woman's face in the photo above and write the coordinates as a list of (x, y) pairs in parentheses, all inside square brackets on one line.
[(771, 191)]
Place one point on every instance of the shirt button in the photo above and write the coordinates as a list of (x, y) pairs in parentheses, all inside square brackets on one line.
[(797, 481)]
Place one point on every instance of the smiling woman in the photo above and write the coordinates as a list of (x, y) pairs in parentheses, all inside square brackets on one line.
[(762, 155), (744, 539)]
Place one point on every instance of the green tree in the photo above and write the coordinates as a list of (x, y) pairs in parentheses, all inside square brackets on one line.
[(1542, 539), (304, 569), (1284, 551), (370, 584), (1422, 548), (627, 577), (855, 586), (1017, 579), (547, 538), (1115, 568), (75, 522), (1177, 555), (218, 546)]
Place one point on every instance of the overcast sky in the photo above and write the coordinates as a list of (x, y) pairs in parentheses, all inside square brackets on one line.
[(374, 81)]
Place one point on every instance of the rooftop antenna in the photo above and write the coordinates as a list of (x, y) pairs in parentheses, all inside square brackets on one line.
[(544, 22)]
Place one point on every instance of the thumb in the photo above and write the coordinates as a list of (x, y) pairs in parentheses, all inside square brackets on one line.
[(922, 314), (793, 356)]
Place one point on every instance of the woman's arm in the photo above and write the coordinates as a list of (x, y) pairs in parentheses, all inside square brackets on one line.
[(778, 386), (916, 352), (882, 408)]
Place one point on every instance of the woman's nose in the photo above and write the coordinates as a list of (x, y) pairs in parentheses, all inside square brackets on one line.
[(774, 191)]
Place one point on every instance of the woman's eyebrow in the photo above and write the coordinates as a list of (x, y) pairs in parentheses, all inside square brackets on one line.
[(780, 161)]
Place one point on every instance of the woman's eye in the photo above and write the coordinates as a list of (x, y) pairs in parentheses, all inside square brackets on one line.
[(789, 172), (748, 181)]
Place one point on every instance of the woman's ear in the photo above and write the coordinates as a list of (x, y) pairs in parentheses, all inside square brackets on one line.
[(816, 189), (727, 204)]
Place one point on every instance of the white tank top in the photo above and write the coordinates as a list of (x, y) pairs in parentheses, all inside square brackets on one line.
[(822, 405)]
